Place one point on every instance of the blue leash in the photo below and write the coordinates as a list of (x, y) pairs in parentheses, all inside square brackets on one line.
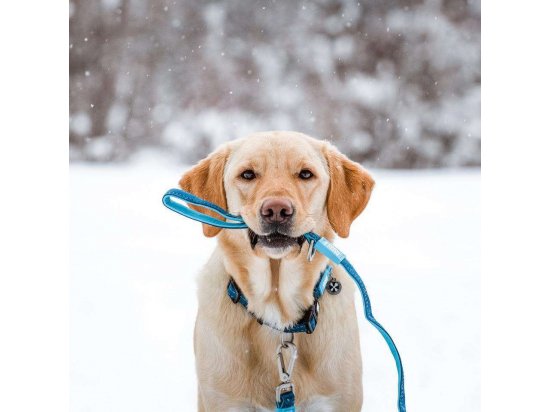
[(173, 198), (169, 200)]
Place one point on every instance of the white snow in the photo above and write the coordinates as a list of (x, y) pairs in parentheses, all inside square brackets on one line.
[(133, 303)]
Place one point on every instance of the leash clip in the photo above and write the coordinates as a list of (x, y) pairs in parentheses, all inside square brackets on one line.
[(311, 251), (285, 373), (284, 392)]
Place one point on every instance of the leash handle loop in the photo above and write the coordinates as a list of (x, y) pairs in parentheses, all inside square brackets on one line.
[(172, 200)]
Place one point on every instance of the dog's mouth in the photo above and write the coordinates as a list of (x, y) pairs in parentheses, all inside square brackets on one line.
[(274, 240)]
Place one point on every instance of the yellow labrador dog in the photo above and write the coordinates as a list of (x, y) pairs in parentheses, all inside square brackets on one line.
[(283, 184)]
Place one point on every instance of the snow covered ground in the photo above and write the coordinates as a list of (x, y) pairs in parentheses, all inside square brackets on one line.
[(133, 303)]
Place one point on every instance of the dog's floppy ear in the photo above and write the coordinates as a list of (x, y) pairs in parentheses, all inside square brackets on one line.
[(205, 180), (349, 191)]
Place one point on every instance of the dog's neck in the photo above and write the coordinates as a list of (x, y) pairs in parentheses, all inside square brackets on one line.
[(278, 290)]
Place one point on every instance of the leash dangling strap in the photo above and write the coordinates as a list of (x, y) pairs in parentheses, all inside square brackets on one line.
[(329, 250)]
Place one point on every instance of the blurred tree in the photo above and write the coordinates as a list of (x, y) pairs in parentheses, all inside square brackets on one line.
[(392, 83)]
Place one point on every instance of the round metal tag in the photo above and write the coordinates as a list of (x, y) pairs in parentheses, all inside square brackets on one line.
[(334, 287)]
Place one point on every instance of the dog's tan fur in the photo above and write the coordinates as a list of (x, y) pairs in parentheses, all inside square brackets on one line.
[(235, 356)]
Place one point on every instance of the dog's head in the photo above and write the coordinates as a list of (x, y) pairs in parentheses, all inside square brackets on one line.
[(283, 184)]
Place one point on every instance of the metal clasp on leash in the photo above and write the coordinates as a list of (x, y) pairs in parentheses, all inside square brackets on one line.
[(285, 372), (311, 251)]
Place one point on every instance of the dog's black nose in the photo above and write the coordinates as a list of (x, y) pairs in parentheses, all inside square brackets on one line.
[(276, 210)]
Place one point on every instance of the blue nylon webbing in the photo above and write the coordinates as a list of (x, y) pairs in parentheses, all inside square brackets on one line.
[(170, 201), (287, 403), (329, 250), (320, 244)]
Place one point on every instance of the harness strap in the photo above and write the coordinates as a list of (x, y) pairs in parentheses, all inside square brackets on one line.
[(308, 322)]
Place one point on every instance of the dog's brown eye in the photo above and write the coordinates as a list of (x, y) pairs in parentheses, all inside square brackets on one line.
[(305, 174), (248, 175)]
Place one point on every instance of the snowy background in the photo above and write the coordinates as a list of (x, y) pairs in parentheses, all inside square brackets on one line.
[(392, 83), (156, 85)]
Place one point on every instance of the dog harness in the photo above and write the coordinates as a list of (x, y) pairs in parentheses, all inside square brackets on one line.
[(284, 392), (309, 320), (175, 200)]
